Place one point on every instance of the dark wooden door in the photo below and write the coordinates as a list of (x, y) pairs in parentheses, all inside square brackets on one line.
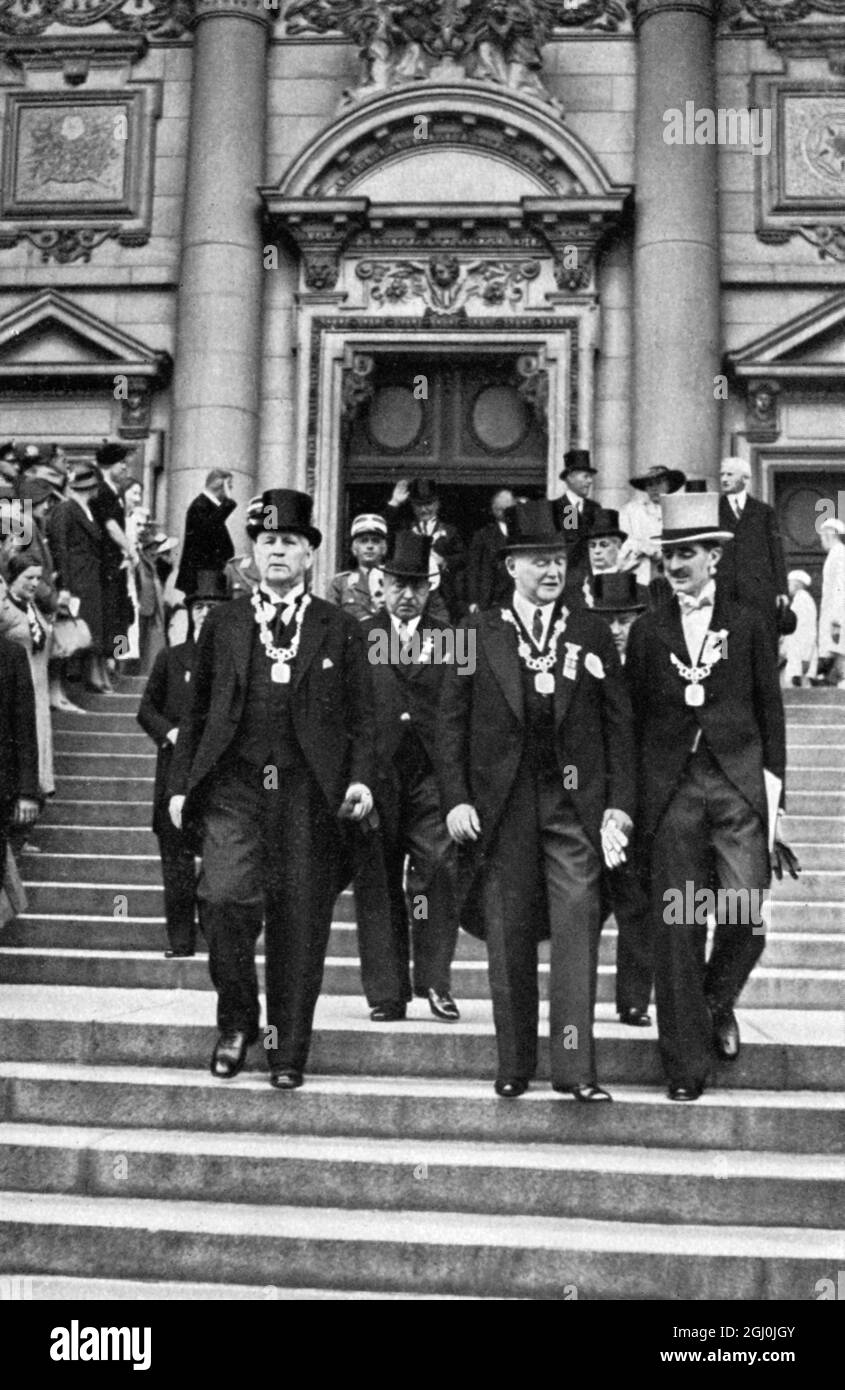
[(458, 420), (797, 498)]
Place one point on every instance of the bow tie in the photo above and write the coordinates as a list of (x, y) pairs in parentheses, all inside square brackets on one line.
[(693, 605)]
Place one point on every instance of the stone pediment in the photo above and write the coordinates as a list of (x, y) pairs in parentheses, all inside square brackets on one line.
[(810, 347), (51, 335)]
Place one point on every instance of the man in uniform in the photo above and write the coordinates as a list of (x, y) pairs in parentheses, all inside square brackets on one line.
[(534, 762), (276, 744), (406, 690), (708, 711), (360, 592)]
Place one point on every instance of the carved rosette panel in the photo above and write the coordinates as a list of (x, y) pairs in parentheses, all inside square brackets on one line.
[(444, 285), (801, 179)]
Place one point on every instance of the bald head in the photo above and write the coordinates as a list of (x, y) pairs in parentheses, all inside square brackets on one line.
[(734, 474)]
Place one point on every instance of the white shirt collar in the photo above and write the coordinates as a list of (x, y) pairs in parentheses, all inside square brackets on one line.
[(696, 623), (211, 497), (525, 611), (285, 604), (739, 499), (573, 497), (410, 627)]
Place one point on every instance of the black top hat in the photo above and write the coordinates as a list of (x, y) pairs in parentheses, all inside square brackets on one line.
[(282, 509), (605, 523), (210, 585), (674, 478), (577, 460), (616, 593), (109, 454), (411, 556), (532, 526), (423, 490)]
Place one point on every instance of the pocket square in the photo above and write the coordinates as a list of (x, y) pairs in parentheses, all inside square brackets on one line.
[(327, 662), (594, 665)]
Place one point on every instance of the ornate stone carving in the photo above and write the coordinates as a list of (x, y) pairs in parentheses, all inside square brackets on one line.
[(358, 388), (62, 245), (751, 14), (761, 411), (828, 238), (801, 180), (403, 41), (136, 408), (532, 383), (321, 235), (164, 18), (445, 285)]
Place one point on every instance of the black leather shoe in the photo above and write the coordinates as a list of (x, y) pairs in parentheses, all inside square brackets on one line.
[(390, 1012), (685, 1092), (177, 955), (635, 1018), (229, 1055), (589, 1093), (286, 1080), (726, 1035), (442, 1006), (509, 1088)]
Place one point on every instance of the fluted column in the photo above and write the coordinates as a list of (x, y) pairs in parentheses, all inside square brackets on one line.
[(676, 249), (218, 341)]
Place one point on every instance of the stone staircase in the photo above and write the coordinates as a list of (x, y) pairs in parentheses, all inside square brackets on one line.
[(126, 1171)]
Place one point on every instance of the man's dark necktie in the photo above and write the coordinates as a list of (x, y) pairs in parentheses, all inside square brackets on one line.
[(537, 628)]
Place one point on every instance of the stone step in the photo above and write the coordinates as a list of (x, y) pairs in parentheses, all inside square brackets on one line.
[(540, 1257), (57, 1288), (810, 829), (140, 764), (782, 1049), (121, 702), (805, 778), (98, 812), (595, 1182), (96, 840), (797, 735), (118, 1097), (813, 885), (824, 756), (103, 742), (814, 803), (806, 950), (767, 989), (105, 788), (94, 722), (123, 869)]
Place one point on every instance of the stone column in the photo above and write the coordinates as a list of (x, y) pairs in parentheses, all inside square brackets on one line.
[(218, 340), (612, 429), (676, 250)]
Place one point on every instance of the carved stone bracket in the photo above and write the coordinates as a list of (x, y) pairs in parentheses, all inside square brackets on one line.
[(532, 384), (574, 239), (321, 229), (357, 390), (761, 411)]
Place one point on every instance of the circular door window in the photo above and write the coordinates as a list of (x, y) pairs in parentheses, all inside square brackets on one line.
[(499, 419), (395, 418)]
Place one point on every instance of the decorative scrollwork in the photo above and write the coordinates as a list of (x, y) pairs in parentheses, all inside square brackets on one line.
[(751, 14), (828, 238), (165, 18), (62, 245), (444, 285)]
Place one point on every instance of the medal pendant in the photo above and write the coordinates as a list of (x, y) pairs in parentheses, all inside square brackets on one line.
[(694, 694), (280, 673), (544, 683)]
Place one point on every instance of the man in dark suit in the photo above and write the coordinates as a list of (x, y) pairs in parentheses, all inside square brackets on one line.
[(448, 552), (275, 745), (19, 791), (575, 513), (488, 581), (407, 652), (707, 707), (752, 569), (160, 714), (207, 544), (534, 762), (109, 512)]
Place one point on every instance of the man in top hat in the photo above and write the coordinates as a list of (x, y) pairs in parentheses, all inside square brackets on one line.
[(535, 766), (619, 599), (447, 577), (707, 706), (110, 514), (605, 541), (752, 570), (575, 512), (160, 714), (488, 580), (275, 744), (360, 592), (641, 520), (207, 544), (407, 676)]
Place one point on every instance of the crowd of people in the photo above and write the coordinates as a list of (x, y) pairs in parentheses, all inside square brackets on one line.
[(615, 731)]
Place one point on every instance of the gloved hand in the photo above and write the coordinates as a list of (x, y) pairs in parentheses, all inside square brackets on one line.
[(784, 858)]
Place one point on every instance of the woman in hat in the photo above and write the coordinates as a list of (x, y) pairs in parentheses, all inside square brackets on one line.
[(832, 615), (641, 519), (21, 621), (76, 542), (160, 713)]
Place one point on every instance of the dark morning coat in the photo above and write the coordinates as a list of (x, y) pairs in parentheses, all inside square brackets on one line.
[(752, 569), (488, 581), (574, 526), (163, 704), (742, 718), (76, 543), (481, 735), (412, 690), (207, 544), (18, 739), (331, 704)]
